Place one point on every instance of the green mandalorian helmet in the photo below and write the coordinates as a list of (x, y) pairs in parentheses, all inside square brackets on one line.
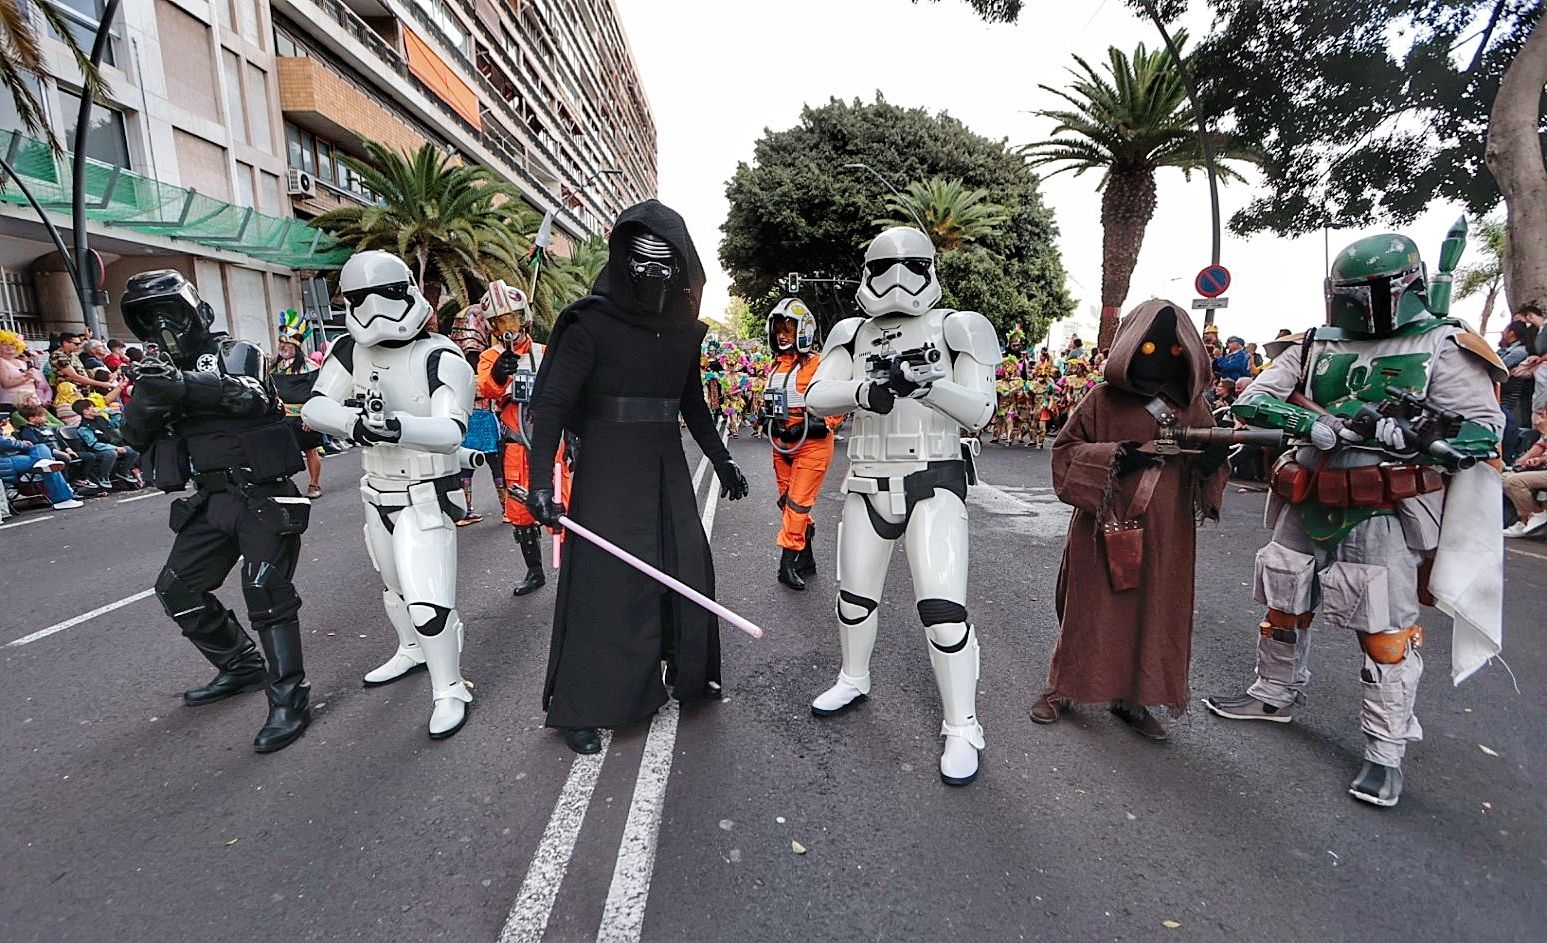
[(1377, 285)]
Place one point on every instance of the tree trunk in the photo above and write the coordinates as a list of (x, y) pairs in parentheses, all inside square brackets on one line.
[(1492, 296), (1127, 204), (1514, 155)]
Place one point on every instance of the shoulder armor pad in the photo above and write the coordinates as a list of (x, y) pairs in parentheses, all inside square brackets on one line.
[(1475, 345), (435, 365), (243, 359), (842, 334), (1275, 348), (970, 333), (343, 350)]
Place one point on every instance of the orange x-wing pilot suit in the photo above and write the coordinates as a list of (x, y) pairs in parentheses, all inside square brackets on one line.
[(802, 448)]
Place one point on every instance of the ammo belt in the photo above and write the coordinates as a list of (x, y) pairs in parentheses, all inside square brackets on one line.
[(919, 486), (634, 409), (237, 479)]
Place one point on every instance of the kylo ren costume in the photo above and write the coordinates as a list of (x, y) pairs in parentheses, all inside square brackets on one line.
[(621, 364), (204, 410)]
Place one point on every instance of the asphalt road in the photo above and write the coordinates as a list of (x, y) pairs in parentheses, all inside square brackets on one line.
[(129, 817)]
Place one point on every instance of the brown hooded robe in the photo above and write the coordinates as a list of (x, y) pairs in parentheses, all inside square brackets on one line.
[(1132, 645)]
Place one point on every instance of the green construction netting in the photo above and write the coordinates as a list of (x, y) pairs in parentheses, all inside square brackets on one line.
[(119, 197)]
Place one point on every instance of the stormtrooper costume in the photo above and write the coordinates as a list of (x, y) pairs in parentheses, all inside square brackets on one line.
[(917, 376), (405, 394)]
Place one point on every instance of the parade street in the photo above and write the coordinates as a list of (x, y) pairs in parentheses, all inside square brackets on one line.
[(127, 816)]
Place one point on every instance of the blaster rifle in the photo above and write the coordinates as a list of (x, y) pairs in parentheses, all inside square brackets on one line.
[(922, 365), (372, 405), (1425, 426), (1176, 440)]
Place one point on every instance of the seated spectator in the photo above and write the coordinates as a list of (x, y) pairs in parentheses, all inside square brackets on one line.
[(1528, 476), (65, 359), (18, 457), (17, 374), (83, 468), (94, 355), (98, 435), (1236, 362), (117, 355)]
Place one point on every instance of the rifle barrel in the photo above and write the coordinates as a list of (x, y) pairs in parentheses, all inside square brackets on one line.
[(1267, 438)]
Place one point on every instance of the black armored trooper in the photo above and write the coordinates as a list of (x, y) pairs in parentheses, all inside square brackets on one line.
[(204, 411)]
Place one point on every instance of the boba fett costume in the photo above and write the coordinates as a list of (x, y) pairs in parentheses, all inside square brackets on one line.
[(1392, 406)]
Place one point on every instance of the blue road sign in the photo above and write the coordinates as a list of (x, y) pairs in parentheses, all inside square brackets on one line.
[(1212, 281)]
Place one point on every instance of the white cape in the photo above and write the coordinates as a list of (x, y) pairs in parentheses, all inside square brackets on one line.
[(1468, 576)]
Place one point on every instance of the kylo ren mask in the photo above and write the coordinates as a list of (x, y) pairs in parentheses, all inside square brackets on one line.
[(653, 272)]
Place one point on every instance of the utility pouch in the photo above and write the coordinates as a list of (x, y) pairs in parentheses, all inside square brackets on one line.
[(282, 515), (185, 510), (1291, 480), (272, 451), (1122, 536), (1332, 489), (1366, 486), (166, 463)]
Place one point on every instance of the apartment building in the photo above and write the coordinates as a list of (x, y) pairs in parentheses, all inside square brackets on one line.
[(227, 121)]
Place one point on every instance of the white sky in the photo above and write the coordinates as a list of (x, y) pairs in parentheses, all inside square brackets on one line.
[(718, 73)]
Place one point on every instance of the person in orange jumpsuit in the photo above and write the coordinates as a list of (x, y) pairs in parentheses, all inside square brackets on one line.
[(506, 372), (802, 445)]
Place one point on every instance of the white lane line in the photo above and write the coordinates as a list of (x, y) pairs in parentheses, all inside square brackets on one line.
[(46, 517), (528, 918), (84, 617), (142, 497), (623, 917), (1527, 553)]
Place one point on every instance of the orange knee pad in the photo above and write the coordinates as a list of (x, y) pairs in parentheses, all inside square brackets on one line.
[(1390, 648)]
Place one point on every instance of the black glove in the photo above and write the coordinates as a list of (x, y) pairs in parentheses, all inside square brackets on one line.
[(365, 435), (505, 367), (545, 508), (1130, 459), (733, 484), (898, 382), (161, 382), (1212, 457), (877, 398)]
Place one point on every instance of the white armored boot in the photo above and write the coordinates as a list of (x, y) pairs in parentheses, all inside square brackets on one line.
[(956, 674), (443, 653), (408, 657), (856, 639)]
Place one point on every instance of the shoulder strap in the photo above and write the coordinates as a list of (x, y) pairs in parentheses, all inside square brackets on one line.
[(1148, 480)]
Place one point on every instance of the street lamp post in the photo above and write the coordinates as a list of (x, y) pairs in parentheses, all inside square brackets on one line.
[(901, 200), (86, 281)]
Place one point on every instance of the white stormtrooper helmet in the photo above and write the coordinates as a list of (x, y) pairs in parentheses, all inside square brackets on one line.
[(793, 309), (384, 301), (899, 274)]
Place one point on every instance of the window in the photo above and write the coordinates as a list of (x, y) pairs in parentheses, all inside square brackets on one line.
[(244, 186), (106, 139), (236, 115), (258, 110), (325, 161), (222, 12), (292, 145), (83, 17), (285, 45)]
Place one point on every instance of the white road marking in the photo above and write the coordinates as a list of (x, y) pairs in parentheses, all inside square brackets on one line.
[(30, 520), (1526, 553), (142, 497), (528, 919), (84, 617), (623, 917)]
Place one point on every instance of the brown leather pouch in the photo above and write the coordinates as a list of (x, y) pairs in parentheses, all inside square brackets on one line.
[(1291, 480), (1429, 479), (1366, 486), (1332, 488), (1123, 542), (1401, 482)]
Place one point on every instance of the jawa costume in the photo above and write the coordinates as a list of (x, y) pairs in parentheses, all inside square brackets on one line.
[(1125, 588), (506, 374), (1356, 510), (622, 363), (802, 443)]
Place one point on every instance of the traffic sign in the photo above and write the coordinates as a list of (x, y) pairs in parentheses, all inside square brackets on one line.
[(1212, 281), (1210, 303)]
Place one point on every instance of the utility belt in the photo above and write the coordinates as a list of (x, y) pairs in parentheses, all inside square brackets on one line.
[(814, 429), (283, 514), (907, 491), (1365, 486), (431, 499), (634, 409)]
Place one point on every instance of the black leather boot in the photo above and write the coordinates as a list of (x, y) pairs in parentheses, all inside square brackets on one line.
[(788, 574), (805, 562), (532, 553), (239, 665), (289, 692), (583, 740)]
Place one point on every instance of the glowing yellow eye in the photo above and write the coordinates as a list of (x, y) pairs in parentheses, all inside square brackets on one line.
[(1148, 347), (1176, 350)]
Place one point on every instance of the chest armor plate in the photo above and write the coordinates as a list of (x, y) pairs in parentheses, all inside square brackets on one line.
[(911, 432), (401, 376), (1347, 374)]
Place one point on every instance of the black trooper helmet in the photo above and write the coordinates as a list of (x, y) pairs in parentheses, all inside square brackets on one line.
[(163, 308)]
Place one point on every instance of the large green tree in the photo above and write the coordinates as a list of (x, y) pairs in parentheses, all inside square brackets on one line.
[(951, 214), (795, 208), (1126, 122), (457, 225)]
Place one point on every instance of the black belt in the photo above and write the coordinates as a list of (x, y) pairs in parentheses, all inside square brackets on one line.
[(919, 486), (237, 479), (634, 409)]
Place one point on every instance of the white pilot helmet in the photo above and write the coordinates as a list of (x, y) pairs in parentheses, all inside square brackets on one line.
[(506, 310), (793, 309), (899, 274), (383, 299)]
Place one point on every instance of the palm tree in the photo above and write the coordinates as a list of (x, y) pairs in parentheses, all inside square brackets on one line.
[(1128, 124), (23, 62), (458, 225), (1490, 273), (952, 215)]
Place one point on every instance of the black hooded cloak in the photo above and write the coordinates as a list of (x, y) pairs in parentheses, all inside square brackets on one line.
[(613, 626)]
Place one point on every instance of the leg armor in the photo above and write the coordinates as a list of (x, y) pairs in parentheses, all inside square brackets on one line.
[(272, 604), (863, 556), (1285, 583), (379, 524), (210, 626), (424, 552)]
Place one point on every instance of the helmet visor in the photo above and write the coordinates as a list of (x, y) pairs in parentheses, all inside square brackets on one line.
[(910, 276)]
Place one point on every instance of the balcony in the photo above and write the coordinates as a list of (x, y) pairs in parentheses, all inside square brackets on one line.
[(323, 102)]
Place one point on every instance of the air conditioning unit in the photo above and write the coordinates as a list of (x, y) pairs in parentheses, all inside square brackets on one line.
[(300, 183)]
